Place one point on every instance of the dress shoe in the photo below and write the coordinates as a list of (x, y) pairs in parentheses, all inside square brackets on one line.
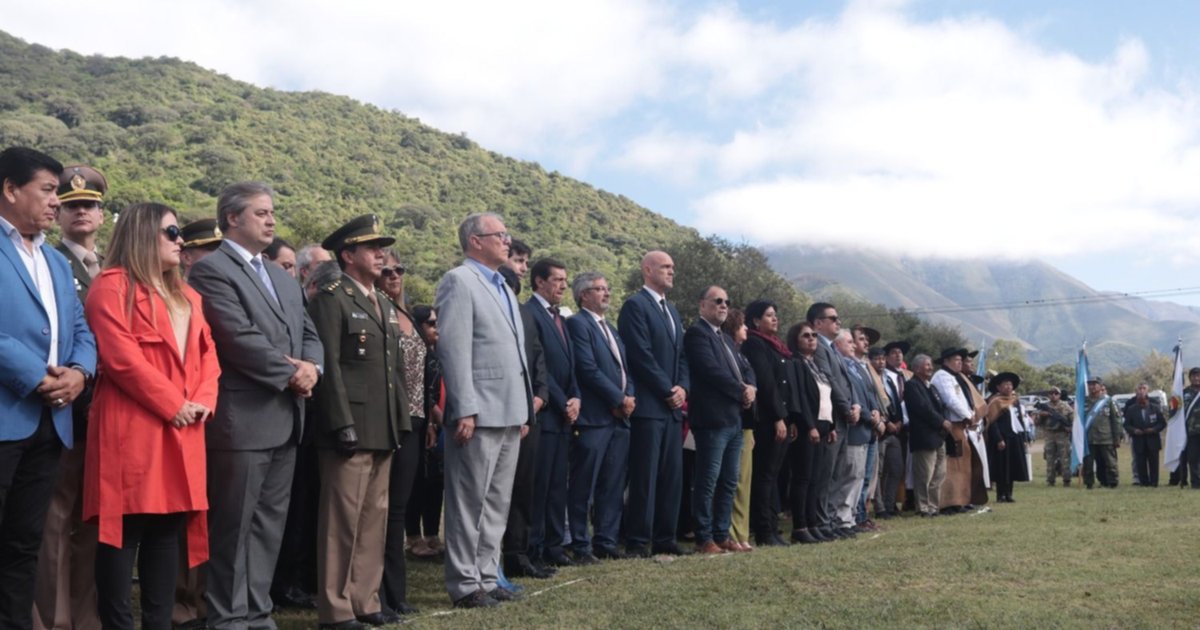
[(502, 594), (802, 537), (522, 567), (381, 618), (710, 548), (349, 624), (294, 597), (746, 546), (730, 545), (608, 553), (769, 540), (405, 608), (825, 533), (545, 568), (583, 558), (195, 624), (883, 516), (637, 551), (848, 532), (670, 549), (478, 599), (557, 559)]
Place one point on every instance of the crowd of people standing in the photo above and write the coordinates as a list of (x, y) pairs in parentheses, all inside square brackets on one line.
[(255, 426)]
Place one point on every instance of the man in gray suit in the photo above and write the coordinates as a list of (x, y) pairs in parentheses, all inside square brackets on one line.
[(270, 360), (488, 398)]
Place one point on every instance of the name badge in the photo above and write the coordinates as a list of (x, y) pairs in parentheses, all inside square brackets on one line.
[(357, 315)]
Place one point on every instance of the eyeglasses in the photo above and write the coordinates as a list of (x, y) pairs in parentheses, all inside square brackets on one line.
[(432, 323), (172, 232), (505, 237), (722, 301), (832, 318), (808, 335), (599, 289), (397, 270)]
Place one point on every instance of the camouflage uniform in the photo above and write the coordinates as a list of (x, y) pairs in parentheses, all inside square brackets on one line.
[(1058, 441), (1103, 437), (1192, 422)]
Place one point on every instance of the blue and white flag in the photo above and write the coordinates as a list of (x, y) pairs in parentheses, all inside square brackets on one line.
[(1177, 425), (1079, 448), (981, 369)]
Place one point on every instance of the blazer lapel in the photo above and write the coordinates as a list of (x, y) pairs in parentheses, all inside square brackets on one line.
[(541, 313), (14, 257), (253, 279), (490, 289)]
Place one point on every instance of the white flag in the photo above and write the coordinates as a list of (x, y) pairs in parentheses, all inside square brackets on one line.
[(1177, 425)]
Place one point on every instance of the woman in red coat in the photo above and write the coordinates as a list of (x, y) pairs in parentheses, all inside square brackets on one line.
[(144, 475)]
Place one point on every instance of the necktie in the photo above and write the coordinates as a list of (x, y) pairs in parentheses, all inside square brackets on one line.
[(92, 263), (375, 302), (257, 263), (558, 323), (612, 347), (667, 315), (498, 280)]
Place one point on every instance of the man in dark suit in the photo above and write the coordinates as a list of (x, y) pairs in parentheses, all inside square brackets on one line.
[(362, 410), (927, 432), (718, 396), (489, 398), (49, 356), (1144, 420), (65, 595), (653, 335), (825, 321), (548, 528), (270, 359), (600, 437)]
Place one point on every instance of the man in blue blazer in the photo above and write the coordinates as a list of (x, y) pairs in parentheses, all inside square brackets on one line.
[(555, 420), (600, 439), (49, 355), (721, 391), (653, 335)]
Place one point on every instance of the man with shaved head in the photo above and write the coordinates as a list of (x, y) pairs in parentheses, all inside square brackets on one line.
[(653, 335)]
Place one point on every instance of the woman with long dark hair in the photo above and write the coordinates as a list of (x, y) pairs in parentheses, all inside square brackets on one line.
[(768, 357), (145, 474)]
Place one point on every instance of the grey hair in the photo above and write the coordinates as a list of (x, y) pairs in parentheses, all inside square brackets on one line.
[(235, 197), (325, 273), (844, 333), (921, 359), (471, 226), (305, 255), (583, 282)]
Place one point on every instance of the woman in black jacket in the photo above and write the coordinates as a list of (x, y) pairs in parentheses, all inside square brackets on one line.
[(769, 359)]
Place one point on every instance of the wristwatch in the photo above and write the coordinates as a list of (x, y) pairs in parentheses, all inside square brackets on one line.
[(87, 376)]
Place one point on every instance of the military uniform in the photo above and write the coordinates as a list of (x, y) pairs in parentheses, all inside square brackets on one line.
[(1192, 423), (361, 396), (1057, 428), (1103, 436)]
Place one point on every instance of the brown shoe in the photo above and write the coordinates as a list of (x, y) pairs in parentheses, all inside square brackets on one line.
[(709, 547), (730, 545)]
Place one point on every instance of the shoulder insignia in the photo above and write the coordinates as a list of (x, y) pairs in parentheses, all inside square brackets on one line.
[(329, 288)]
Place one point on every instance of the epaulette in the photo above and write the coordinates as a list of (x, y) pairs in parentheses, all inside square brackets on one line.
[(329, 288)]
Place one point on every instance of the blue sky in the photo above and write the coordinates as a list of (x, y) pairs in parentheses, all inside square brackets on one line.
[(1061, 130)]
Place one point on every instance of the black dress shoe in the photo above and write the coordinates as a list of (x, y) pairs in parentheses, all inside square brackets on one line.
[(848, 532), (478, 599), (637, 551), (381, 618), (557, 559), (405, 608), (194, 624), (502, 594), (670, 549), (802, 537), (608, 553), (828, 533), (545, 568), (817, 534), (583, 558), (349, 624), (524, 568), (293, 597)]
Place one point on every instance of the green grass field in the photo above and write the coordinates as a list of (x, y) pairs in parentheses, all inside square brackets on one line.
[(1057, 558)]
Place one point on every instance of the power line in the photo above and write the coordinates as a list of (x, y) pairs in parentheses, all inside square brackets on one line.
[(1035, 303)]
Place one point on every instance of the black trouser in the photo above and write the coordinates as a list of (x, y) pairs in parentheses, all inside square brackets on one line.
[(153, 541), (297, 564), (687, 525), (891, 475), (28, 472), (823, 457), (515, 544), (424, 513), (764, 489), (1145, 462), (1193, 460), (393, 591), (802, 451)]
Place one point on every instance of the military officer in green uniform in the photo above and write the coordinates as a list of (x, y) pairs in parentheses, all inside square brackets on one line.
[(1056, 418), (362, 408), (200, 238), (1103, 436)]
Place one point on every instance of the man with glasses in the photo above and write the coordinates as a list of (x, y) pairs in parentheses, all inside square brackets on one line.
[(66, 586), (824, 319), (489, 398)]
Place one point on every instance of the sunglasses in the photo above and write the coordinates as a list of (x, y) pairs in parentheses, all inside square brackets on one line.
[(398, 270), (832, 318), (722, 301), (173, 232), (432, 323), (808, 335)]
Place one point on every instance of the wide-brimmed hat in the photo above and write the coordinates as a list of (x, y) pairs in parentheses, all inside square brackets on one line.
[(947, 353), (904, 346), (1002, 377)]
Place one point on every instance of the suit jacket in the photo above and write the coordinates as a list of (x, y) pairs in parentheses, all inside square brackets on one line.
[(363, 385), (1149, 417), (829, 362), (137, 462), (806, 396), (538, 378), (561, 383), (715, 400), (253, 333), (925, 416), (482, 351), (656, 359), (770, 368), (25, 342), (597, 371), (862, 389)]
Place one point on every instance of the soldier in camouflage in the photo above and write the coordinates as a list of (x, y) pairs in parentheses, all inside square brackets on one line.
[(1192, 421), (1056, 418)]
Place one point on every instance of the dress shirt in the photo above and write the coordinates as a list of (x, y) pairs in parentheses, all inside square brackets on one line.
[(39, 271)]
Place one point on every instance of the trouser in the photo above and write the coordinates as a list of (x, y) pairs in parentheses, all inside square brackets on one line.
[(65, 596), (1193, 459), (802, 451), (351, 530), (1145, 462), (152, 540), (1100, 464), (515, 544), (394, 591), (549, 527), (599, 461), (28, 471), (891, 474), (424, 513), (739, 528), (189, 587), (715, 481), (684, 525), (824, 454), (860, 510), (764, 489), (655, 481), (847, 481), (929, 469), (1058, 456), (297, 564)]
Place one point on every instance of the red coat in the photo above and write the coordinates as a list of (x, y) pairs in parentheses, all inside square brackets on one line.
[(137, 462)]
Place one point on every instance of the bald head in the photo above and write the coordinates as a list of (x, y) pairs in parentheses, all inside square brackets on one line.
[(658, 271)]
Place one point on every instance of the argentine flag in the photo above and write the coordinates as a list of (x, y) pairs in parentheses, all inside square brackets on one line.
[(1177, 425), (1079, 448)]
